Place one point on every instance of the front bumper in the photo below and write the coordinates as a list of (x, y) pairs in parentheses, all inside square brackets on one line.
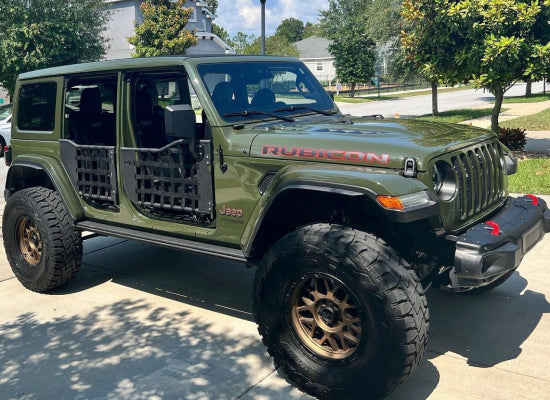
[(488, 251)]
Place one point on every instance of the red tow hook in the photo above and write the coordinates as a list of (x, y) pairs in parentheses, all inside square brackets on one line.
[(496, 228), (535, 199)]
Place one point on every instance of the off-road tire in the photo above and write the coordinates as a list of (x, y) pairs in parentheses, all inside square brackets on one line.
[(383, 294), (42, 245)]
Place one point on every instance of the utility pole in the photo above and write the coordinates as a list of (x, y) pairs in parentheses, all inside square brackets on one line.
[(262, 52)]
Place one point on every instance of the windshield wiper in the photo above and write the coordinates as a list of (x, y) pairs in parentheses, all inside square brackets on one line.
[(293, 108), (256, 112)]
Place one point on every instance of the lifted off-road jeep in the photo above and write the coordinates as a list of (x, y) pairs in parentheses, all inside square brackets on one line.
[(347, 220)]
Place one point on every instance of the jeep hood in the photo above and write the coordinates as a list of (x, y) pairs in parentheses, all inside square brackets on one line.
[(370, 143)]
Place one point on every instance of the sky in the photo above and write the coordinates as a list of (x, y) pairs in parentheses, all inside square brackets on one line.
[(245, 15)]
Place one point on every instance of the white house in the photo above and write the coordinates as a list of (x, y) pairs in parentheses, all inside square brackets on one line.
[(314, 53), (125, 12)]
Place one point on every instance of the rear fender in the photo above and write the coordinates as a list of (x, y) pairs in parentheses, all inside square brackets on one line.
[(37, 170)]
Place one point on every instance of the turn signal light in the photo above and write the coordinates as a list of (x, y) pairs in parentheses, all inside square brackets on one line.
[(390, 202)]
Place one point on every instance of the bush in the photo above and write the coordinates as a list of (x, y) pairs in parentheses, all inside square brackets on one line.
[(513, 138)]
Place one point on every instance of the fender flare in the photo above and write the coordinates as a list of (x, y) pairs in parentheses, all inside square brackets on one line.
[(50, 167), (369, 187)]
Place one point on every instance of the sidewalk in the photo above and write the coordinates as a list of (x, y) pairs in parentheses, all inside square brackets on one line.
[(514, 110)]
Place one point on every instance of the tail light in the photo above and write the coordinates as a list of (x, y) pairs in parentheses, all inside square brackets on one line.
[(7, 155)]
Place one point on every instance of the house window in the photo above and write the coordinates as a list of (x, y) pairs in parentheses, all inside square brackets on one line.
[(320, 66)]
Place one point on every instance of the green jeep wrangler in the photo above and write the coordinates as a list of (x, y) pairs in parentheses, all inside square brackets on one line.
[(348, 220)]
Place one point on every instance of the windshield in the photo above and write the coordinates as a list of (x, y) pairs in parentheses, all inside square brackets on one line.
[(253, 90), (5, 112)]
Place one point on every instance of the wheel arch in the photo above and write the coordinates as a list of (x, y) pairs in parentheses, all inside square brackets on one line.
[(25, 173), (299, 203), (307, 194)]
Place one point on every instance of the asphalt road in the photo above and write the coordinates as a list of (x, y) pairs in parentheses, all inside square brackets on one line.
[(421, 105)]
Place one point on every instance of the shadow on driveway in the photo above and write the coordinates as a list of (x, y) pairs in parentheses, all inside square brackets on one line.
[(137, 350)]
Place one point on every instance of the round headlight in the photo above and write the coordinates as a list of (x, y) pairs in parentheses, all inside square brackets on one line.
[(444, 180)]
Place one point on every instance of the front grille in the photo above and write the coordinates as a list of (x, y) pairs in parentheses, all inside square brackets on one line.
[(480, 178)]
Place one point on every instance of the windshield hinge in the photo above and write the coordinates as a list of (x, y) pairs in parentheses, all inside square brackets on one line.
[(409, 169)]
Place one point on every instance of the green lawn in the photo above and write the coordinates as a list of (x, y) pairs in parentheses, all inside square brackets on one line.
[(457, 115), (392, 96), (533, 176), (535, 98), (535, 122)]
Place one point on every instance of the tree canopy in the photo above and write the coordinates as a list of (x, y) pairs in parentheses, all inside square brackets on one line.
[(163, 29), (352, 47), (488, 42), (291, 29), (212, 6), (37, 34), (354, 57), (251, 45), (342, 14), (220, 32), (312, 29)]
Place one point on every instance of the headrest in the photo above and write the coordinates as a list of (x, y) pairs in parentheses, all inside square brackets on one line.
[(90, 101)]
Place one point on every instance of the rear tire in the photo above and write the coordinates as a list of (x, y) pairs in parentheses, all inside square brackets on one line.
[(340, 313), (42, 245)]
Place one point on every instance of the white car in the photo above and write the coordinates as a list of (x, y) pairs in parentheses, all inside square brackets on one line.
[(5, 126)]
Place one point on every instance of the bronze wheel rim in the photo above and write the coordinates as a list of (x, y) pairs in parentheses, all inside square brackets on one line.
[(29, 240), (325, 317)]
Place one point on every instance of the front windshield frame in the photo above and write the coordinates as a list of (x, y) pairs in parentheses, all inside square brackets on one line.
[(248, 91)]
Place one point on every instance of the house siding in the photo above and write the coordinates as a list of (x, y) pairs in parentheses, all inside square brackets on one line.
[(121, 27)]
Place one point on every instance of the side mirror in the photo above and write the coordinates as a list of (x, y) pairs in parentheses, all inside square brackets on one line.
[(180, 121)]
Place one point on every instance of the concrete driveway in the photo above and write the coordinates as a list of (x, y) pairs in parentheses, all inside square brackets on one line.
[(141, 322)]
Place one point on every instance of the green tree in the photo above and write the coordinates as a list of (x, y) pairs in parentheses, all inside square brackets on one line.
[(291, 29), (251, 45), (352, 47), (37, 34), (212, 6), (343, 14), (495, 47), (163, 29), (312, 29), (540, 35), (241, 41), (220, 32), (383, 20), (274, 46), (428, 42), (354, 57)]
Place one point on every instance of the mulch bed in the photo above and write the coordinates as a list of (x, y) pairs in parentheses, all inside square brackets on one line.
[(523, 155)]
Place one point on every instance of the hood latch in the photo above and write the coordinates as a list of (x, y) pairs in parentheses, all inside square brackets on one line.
[(409, 169)]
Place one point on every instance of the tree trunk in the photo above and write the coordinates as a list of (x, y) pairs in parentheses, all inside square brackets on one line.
[(434, 99), (528, 87), (352, 92), (499, 96)]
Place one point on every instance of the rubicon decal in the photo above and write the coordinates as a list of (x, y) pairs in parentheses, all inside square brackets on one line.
[(322, 154)]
